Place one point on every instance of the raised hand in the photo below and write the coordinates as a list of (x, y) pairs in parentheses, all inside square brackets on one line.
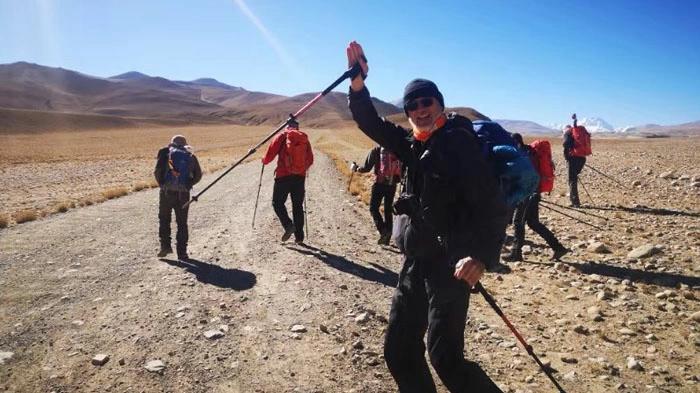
[(356, 55)]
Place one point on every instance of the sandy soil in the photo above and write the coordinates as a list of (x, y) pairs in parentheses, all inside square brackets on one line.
[(87, 282)]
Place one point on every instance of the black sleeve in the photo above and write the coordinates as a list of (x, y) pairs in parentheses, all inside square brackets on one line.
[(195, 170), (161, 165), (483, 216), (568, 144), (385, 133), (371, 160)]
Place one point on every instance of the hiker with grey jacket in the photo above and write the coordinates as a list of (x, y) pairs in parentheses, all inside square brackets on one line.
[(177, 170), (456, 228)]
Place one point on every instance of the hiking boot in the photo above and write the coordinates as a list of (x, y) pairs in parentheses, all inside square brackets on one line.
[(288, 232), (385, 238), (164, 250), (183, 257), (559, 252), (514, 257), (299, 241), (501, 268)]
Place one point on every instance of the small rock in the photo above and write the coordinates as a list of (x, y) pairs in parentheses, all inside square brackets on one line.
[(362, 317), (644, 251), (213, 334), (633, 364), (5, 356), (598, 248), (100, 359), (155, 366)]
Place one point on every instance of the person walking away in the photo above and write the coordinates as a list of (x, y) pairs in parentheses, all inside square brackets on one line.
[(177, 170), (577, 145), (528, 211), (387, 173), (457, 224), (295, 157)]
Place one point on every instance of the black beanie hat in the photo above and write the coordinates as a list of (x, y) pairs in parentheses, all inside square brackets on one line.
[(421, 88)]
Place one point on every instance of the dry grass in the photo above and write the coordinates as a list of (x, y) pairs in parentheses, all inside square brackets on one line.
[(63, 207), (144, 185), (115, 192), (25, 216)]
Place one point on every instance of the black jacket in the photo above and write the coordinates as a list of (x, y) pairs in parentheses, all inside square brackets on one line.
[(462, 210)]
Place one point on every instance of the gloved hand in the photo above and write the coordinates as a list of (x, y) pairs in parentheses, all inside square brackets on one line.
[(354, 166), (573, 116)]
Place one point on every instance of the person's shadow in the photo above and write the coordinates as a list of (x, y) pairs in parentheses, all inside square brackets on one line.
[(207, 273), (661, 279), (379, 274)]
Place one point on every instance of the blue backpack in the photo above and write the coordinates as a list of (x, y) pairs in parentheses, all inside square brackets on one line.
[(517, 176), (177, 175)]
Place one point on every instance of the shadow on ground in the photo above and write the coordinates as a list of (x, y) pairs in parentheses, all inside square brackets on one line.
[(636, 275), (208, 273), (379, 274)]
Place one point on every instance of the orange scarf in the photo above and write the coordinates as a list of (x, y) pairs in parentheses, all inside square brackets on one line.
[(425, 135)]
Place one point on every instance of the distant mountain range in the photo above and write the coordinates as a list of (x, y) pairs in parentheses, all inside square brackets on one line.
[(33, 97)]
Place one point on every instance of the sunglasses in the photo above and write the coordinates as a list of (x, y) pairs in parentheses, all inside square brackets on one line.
[(419, 103)]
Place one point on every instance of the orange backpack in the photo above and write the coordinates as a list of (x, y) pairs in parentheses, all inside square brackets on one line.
[(541, 158), (296, 157), (582, 142)]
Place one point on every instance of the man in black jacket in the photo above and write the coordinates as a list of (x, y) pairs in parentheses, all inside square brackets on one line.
[(387, 173), (457, 224), (177, 170)]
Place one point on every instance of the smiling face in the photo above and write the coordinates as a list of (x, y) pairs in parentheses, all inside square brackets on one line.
[(423, 112)]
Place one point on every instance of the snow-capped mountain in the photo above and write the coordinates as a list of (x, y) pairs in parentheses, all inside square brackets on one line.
[(596, 124)]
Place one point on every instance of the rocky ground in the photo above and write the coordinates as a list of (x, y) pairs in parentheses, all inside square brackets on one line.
[(85, 305)]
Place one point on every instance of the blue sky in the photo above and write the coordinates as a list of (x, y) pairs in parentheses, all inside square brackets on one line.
[(629, 62)]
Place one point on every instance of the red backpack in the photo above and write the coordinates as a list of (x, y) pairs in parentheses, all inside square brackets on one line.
[(582, 142), (296, 157), (389, 167), (541, 158)]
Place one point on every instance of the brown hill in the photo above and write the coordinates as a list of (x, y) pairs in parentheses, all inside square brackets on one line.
[(135, 96)]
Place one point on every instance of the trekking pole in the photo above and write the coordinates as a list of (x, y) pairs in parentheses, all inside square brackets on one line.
[(572, 217), (586, 189), (603, 174), (306, 217), (574, 209), (527, 346), (350, 182), (258, 196), (351, 73)]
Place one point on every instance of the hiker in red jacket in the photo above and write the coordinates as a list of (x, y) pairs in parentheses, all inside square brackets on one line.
[(294, 158), (577, 145), (387, 173)]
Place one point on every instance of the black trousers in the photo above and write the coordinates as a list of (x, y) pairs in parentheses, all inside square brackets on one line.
[(382, 193), (173, 201), (529, 212), (285, 186), (575, 165), (428, 298)]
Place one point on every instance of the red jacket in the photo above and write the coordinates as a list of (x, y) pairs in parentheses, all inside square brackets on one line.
[(278, 147)]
